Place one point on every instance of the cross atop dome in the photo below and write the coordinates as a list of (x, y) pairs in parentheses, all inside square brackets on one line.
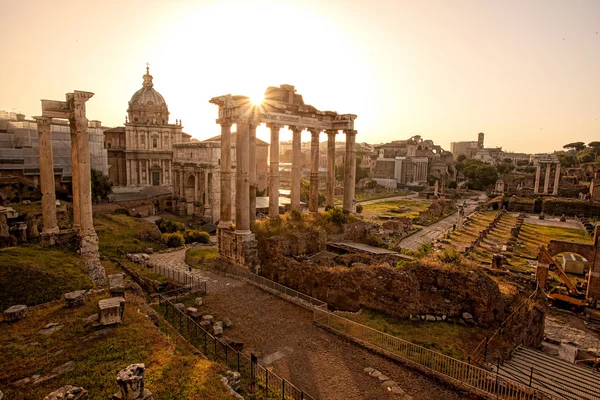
[(147, 78)]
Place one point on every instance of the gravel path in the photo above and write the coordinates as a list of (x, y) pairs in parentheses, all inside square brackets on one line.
[(323, 364)]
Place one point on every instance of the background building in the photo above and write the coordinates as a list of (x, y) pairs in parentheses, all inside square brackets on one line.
[(19, 150)]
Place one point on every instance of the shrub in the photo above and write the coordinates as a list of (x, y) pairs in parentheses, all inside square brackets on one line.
[(122, 211), (168, 226), (373, 240), (338, 216), (295, 215), (191, 236), (359, 208), (450, 255), (172, 239)]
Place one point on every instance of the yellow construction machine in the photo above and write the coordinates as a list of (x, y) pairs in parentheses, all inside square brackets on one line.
[(567, 293)]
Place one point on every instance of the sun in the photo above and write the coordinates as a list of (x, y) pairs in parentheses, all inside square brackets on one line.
[(257, 99)]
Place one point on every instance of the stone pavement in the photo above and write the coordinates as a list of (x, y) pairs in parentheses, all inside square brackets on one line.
[(429, 233)]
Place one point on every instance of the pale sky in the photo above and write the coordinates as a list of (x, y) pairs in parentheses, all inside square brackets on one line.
[(527, 73)]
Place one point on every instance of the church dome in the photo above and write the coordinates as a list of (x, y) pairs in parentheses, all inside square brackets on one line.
[(147, 105)]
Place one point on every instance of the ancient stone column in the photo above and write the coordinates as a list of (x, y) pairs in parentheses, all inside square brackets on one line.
[(195, 188), (313, 204), (47, 175), (350, 170), (75, 179), (547, 178), (556, 179), (79, 124), (252, 172), (274, 172), (296, 160), (181, 186), (436, 187), (538, 172), (330, 178), (225, 217), (242, 183), (459, 218)]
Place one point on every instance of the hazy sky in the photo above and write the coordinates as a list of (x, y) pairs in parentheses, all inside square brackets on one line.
[(527, 73)]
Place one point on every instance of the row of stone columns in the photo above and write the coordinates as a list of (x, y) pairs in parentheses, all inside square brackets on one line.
[(246, 172), (538, 172), (81, 173)]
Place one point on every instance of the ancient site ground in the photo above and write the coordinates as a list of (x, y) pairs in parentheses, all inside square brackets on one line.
[(324, 365)]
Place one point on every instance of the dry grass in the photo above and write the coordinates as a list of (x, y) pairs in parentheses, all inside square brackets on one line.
[(118, 231), (173, 372)]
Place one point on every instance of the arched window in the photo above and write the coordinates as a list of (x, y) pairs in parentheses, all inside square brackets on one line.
[(154, 143)]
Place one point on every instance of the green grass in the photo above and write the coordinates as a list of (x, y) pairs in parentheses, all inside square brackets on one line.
[(31, 275), (132, 235), (446, 337), (172, 370), (202, 254), (533, 235), (361, 196), (412, 208)]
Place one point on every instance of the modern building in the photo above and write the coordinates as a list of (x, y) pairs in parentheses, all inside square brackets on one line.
[(19, 150), (468, 149)]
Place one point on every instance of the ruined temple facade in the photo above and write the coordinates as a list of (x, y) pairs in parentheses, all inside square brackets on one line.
[(410, 161), (197, 174), (141, 152)]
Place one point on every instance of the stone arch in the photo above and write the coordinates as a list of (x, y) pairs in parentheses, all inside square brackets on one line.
[(556, 247)]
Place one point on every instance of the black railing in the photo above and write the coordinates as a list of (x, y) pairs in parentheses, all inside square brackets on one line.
[(255, 377)]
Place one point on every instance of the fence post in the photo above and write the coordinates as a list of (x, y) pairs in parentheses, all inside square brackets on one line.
[(266, 381), (238, 361), (531, 376), (485, 350), (206, 347), (282, 389)]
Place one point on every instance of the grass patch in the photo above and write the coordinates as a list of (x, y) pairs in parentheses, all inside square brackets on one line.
[(448, 338), (409, 208), (204, 253), (172, 370), (31, 275), (362, 196), (533, 236), (132, 235)]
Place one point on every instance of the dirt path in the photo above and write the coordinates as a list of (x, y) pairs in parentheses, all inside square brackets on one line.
[(320, 363)]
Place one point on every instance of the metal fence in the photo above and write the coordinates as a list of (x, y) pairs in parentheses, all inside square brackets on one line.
[(291, 294), (255, 377), (459, 372)]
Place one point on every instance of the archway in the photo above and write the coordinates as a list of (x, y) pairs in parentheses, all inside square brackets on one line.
[(155, 175)]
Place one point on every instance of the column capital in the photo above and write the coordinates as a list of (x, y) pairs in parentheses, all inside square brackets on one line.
[(315, 130), (43, 123), (349, 132), (274, 126), (224, 121), (331, 131), (296, 128)]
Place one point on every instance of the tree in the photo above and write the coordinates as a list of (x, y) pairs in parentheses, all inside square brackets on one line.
[(461, 158), (577, 146), (504, 168), (507, 161), (480, 175), (101, 185), (596, 147)]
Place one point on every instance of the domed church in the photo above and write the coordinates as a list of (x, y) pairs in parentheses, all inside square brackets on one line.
[(141, 152)]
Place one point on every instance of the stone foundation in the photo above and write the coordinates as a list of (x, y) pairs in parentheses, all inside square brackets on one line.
[(96, 270), (88, 243), (68, 392), (239, 249), (61, 238)]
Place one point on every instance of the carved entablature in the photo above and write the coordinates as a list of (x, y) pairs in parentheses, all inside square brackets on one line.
[(72, 109), (281, 106)]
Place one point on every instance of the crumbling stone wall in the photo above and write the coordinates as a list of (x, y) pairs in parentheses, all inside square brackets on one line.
[(570, 207), (394, 291)]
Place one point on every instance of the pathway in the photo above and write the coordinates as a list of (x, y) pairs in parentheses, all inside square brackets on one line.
[(323, 364), (429, 233)]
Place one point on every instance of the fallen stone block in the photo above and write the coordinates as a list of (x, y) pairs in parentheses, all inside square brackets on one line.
[(217, 330), (15, 313), (180, 306), (227, 323), (110, 311), (75, 299), (208, 318), (205, 325), (67, 392), (383, 378), (368, 370), (131, 384), (198, 301), (116, 285)]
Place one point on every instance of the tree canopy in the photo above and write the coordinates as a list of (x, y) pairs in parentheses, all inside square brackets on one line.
[(101, 185), (577, 146)]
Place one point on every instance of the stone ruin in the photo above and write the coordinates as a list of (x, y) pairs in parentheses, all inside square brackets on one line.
[(15, 313), (68, 393), (131, 384)]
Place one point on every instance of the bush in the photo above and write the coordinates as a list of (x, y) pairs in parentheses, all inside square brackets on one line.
[(122, 211), (373, 240), (359, 208), (450, 256), (172, 239), (191, 236), (168, 226), (452, 185), (338, 216)]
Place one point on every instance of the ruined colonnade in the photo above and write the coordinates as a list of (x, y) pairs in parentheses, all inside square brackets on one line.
[(240, 245), (538, 172)]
